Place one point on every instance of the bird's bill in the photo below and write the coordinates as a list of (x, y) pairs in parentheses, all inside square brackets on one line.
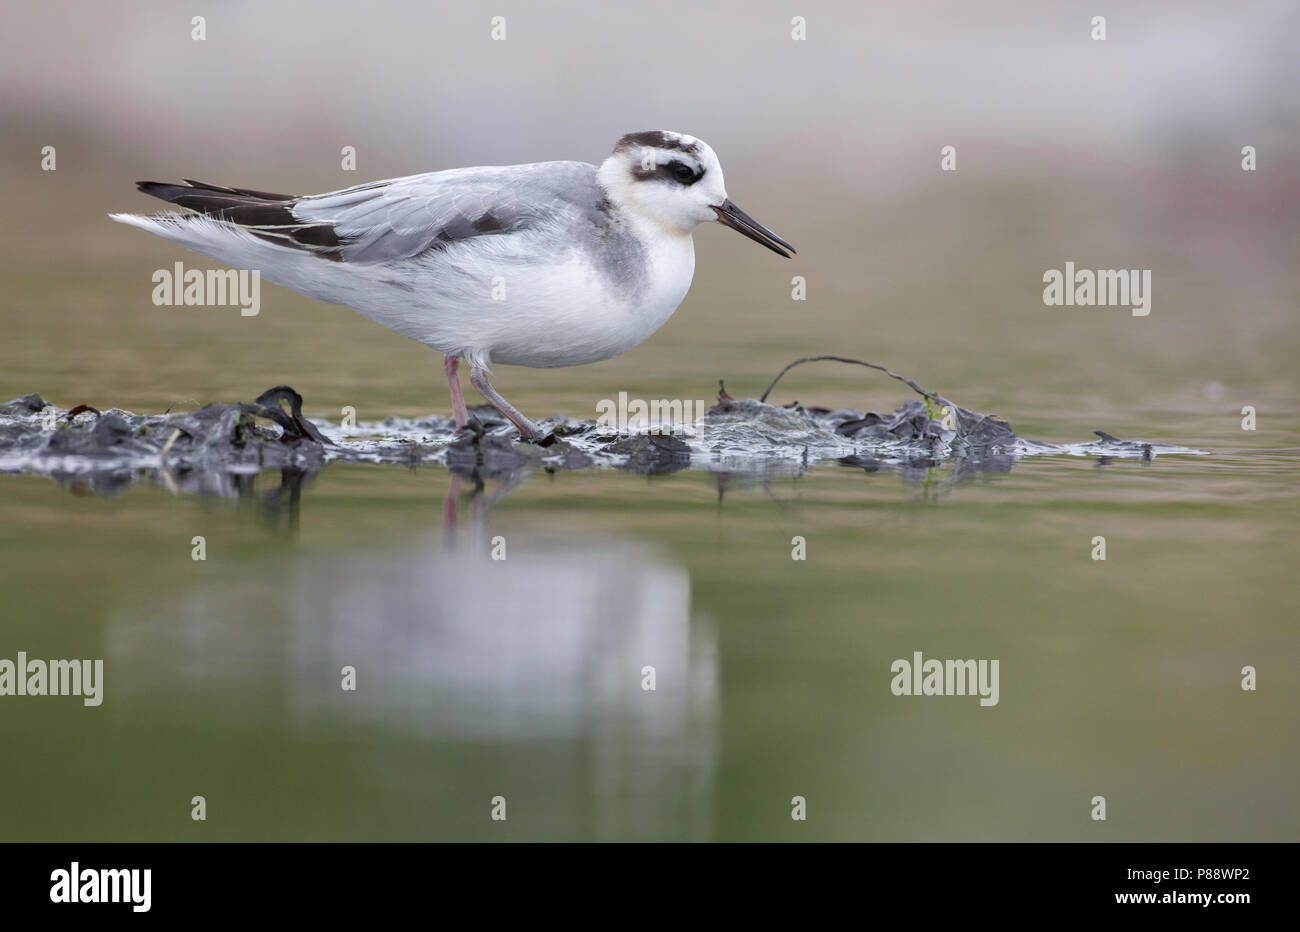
[(729, 215)]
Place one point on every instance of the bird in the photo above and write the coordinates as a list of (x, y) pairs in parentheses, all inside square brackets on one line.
[(544, 265)]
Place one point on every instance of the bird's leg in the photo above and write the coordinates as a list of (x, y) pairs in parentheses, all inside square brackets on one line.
[(449, 508), (527, 429), (458, 410)]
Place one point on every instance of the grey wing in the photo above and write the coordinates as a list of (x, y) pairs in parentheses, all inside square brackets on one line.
[(404, 217), (396, 219)]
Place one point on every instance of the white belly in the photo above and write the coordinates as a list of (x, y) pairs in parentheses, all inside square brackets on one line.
[(564, 312), (583, 318)]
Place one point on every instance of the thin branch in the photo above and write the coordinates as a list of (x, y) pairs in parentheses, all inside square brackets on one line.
[(858, 362)]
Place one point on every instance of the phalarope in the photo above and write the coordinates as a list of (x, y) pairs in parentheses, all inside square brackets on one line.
[(544, 265)]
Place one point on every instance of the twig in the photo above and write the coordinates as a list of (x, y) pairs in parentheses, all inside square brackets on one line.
[(162, 461), (858, 362)]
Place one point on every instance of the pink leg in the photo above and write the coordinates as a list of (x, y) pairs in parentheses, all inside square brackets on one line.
[(458, 410), (449, 505), (527, 429)]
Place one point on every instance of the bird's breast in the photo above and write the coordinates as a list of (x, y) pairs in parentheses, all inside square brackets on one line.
[(536, 305), (670, 266)]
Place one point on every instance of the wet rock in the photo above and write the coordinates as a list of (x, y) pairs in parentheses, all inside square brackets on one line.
[(651, 454), (27, 404), (215, 449), (1112, 446), (109, 435)]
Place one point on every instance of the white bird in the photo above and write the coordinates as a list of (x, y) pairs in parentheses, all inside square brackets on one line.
[(544, 265)]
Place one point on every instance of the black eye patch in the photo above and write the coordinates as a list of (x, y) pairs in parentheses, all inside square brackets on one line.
[(680, 172), (676, 171)]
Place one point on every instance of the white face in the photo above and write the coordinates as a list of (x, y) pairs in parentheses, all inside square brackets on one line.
[(671, 179), (671, 182)]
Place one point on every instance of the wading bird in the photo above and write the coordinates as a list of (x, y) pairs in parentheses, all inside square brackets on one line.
[(545, 265)]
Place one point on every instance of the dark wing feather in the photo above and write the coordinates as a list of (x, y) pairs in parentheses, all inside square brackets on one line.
[(386, 221), (266, 215)]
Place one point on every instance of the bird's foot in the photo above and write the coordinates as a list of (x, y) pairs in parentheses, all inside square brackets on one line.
[(531, 433)]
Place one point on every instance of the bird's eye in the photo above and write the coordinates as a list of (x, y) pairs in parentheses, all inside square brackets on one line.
[(683, 173)]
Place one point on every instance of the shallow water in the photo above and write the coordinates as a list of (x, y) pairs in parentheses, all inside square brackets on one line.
[(523, 677)]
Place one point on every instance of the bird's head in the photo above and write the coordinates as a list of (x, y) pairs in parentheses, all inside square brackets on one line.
[(674, 181)]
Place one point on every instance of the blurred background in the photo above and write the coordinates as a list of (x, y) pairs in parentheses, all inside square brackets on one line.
[(1119, 677), (1123, 153)]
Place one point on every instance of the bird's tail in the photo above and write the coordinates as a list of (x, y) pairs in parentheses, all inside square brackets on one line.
[(217, 239), (232, 216)]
